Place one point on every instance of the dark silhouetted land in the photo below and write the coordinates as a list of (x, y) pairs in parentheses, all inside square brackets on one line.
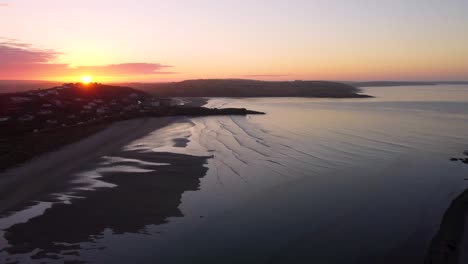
[(250, 88), (397, 83)]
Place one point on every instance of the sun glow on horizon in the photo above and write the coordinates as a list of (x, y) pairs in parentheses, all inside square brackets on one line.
[(86, 79)]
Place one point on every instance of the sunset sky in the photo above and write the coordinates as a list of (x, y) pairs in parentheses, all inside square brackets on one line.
[(155, 40)]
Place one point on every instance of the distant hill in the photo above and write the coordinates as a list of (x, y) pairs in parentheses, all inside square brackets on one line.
[(7, 86), (397, 83), (250, 88)]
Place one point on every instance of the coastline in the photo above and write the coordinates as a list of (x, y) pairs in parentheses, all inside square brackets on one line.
[(48, 170), (18, 147), (449, 243)]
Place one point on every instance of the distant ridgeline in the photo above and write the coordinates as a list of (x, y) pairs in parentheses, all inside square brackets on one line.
[(250, 88), (397, 83)]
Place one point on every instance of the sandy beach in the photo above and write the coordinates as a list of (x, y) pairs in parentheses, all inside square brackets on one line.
[(49, 171)]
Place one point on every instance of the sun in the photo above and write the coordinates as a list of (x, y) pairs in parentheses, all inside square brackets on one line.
[(86, 79)]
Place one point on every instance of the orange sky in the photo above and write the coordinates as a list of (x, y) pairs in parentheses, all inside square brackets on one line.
[(159, 40)]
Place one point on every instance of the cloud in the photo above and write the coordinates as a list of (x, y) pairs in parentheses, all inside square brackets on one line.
[(123, 69), (4, 4), (23, 61)]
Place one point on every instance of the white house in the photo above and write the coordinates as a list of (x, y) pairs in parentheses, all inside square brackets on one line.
[(4, 119), (45, 112), (26, 118), (101, 110), (20, 99), (53, 92)]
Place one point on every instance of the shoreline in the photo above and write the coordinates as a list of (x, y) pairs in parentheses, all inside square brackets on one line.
[(49, 169), (18, 149), (448, 244), (23, 146)]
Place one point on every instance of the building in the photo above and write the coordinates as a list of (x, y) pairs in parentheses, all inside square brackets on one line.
[(45, 112), (51, 122), (20, 99), (26, 118)]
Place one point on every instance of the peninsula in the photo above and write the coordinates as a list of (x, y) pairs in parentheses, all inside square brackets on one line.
[(67, 113), (250, 88)]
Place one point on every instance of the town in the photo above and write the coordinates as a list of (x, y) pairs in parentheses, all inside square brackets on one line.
[(74, 104)]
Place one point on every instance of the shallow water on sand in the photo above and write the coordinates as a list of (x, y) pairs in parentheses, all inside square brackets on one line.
[(314, 180)]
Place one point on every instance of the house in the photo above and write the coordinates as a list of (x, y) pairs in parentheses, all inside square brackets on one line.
[(45, 112), (4, 119), (51, 122), (26, 118), (52, 92), (47, 105), (71, 116), (87, 107), (57, 102), (20, 99), (101, 110), (134, 96)]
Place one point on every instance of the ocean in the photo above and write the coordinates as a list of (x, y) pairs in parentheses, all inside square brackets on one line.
[(312, 181)]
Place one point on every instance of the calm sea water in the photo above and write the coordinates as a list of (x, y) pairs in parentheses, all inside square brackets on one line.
[(313, 181)]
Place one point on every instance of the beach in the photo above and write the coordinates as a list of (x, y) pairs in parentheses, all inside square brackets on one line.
[(49, 171)]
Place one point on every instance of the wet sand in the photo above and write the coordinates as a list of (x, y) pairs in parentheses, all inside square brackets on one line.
[(147, 197), (49, 172), (141, 188)]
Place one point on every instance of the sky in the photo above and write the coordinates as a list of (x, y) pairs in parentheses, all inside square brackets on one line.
[(155, 40)]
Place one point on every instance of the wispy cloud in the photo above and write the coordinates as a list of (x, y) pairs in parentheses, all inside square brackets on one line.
[(4, 4), (23, 61)]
